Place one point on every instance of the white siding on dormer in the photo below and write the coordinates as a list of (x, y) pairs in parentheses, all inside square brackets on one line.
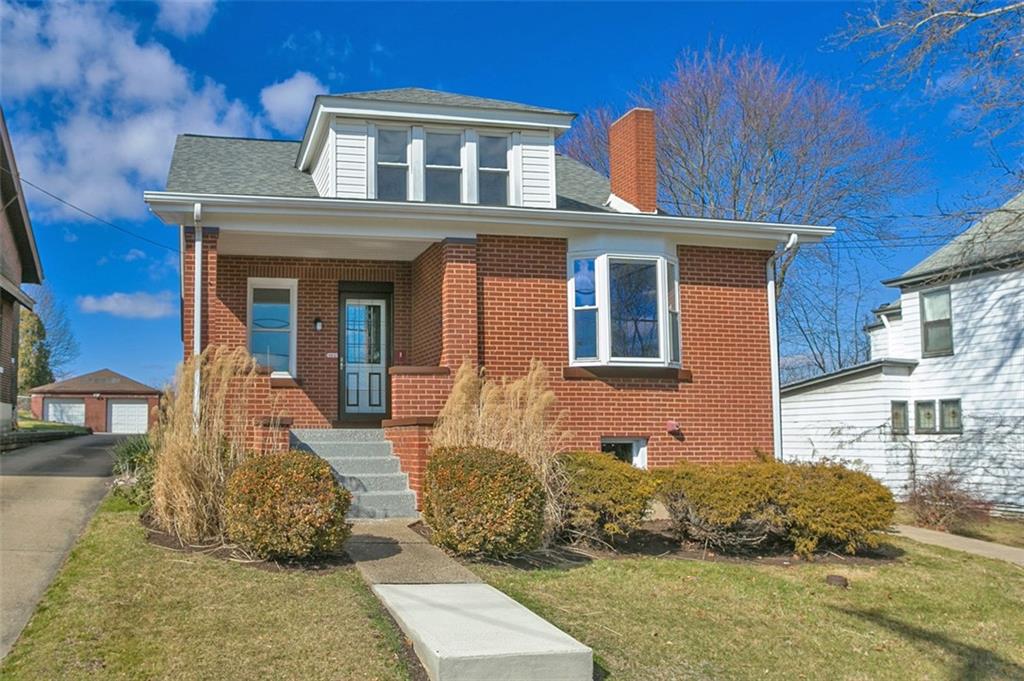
[(537, 157), (879, 338), (324, 171), (350, 144)]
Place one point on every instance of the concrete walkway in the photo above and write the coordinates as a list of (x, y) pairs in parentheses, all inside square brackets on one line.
[(461, 629), (48, 492), (953, 541)]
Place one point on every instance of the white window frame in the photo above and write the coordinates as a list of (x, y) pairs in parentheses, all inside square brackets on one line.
[(391, 164), (463, 172), (602, 280), (293, 288), (509, 158), (639, 448)]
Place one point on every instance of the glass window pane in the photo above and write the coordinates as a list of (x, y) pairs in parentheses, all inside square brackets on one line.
[(951, 420), (583, 282), (585, 327), (391, 145), (444, 149), (899, 417), (493, 152), (634, 308), (673, 320), (925, 417), (623, 451), (936, 305), (270, 308), (271, 349), (493, 188), (670, 283), (443, 186), (938, 337), (391, 183)]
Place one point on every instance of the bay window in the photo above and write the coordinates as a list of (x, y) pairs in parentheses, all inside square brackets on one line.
[(272, 312), (624, 309)]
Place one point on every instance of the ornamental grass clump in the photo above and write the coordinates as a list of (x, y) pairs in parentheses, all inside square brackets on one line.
[(134, 466), (604, 499), (508, 415), (482, 502), (196, 452), (286, 506)]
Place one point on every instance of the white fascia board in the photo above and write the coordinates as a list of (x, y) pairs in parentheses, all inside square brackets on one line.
[(326, 107), (411, 219)]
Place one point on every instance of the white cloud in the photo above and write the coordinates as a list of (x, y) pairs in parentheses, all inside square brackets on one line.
[(184, 18), (287, 103), (134, 254), (137, 305), (114, 105)]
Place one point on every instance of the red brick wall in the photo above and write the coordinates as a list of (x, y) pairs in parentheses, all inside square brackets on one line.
[(411, 444), (631, 156), (427, 279), (9, 318)]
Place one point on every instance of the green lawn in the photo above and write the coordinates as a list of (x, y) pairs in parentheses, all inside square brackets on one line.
[(26, 422), (933, 614), (1002, 530), (124, 609)]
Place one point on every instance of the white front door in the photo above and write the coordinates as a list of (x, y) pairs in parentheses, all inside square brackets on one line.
[(127, 416), (364, 361)]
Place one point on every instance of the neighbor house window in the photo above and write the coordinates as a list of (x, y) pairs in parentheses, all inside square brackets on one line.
[(629, 450), (443, 172), (899, 417), (392, 164), (624, 310), (272, 304), (936, 323), (924, 417), (950, 418), (492, 183)]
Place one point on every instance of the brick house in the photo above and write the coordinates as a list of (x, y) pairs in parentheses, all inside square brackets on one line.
[(412, 230), (104, 400), (19, 264)]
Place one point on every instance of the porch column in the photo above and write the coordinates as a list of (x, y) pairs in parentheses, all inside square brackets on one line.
[(459, 341)]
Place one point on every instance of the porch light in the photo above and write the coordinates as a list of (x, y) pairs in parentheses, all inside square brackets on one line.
[(318, 324)]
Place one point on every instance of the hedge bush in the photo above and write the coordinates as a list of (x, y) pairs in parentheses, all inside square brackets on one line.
[(482, 502), (803, 507), (603, 498), (286, 505)]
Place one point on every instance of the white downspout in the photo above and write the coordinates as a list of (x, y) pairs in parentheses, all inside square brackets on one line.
[(773, 340), (197, 307)]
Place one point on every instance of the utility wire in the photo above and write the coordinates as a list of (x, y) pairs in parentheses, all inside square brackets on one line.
[(83, 211)]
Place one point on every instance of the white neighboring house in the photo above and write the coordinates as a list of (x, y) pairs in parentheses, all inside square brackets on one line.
[(944, 389)]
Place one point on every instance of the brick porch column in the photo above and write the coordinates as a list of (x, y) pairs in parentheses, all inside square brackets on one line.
[(459, 341)]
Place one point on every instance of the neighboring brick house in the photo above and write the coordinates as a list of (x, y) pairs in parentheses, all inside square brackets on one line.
[(412, 230), (104, 400), (19, 264)]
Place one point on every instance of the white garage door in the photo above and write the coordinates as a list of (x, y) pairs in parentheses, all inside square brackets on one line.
[(128, 416), (64, 411)]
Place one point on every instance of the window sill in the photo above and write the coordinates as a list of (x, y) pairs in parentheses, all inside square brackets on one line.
[(596, 373), (283, 381), (409, 370), (931, 355)]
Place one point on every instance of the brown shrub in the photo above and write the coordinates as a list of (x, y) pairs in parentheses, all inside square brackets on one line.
[(286, 505), (942, 502)]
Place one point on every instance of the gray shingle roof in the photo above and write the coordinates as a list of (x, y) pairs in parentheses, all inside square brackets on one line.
[(417, 95), (231, 165), (996, 238), (103, 381)]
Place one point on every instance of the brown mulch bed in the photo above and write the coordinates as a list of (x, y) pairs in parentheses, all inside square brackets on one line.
[(656, 540), (228, 552)]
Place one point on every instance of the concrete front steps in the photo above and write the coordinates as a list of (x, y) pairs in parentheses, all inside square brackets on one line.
[(366, 466)]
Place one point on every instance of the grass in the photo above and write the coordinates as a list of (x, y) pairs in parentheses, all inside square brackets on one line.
[(932, 614), (26, 422), (999, 529), (122, 608)]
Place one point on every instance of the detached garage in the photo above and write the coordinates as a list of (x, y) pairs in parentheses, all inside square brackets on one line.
[(104, 400)]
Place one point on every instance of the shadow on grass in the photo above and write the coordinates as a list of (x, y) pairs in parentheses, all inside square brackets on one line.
[(975, 663)]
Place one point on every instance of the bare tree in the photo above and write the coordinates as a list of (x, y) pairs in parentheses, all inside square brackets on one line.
[(61, 343), (742, 137)]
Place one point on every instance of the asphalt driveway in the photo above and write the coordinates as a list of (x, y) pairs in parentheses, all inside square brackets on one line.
[(48, 492)]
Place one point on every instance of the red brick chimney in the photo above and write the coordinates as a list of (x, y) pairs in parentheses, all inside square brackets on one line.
[(631, 158)]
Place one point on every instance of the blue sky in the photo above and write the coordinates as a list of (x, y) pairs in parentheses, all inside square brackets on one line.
[(94, 95)]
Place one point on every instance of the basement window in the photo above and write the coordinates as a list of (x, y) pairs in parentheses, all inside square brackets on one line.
[(272, 312), (629, 450)]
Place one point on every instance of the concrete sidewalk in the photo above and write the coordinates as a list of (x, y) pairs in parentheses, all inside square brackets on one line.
[(953, 541), (461, 629), (48, 492)]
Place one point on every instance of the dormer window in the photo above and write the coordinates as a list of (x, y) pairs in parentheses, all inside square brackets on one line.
[(493, 153), (393, 164), (443, 171)]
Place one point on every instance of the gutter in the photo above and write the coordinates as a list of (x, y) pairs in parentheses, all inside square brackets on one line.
[(197, 310), (773, 340)]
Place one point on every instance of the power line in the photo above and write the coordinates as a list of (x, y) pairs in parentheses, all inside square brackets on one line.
[(83, 211)]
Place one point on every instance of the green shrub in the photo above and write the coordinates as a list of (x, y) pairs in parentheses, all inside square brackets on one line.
[(804, 507), (482, 502), (286, 505), (727, 507), (603, 499), (133, 467)]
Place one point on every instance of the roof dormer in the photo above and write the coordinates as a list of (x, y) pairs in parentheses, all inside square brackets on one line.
[(412, 144)]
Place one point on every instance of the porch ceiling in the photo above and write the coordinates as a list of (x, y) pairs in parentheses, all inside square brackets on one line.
[(233, 242)]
